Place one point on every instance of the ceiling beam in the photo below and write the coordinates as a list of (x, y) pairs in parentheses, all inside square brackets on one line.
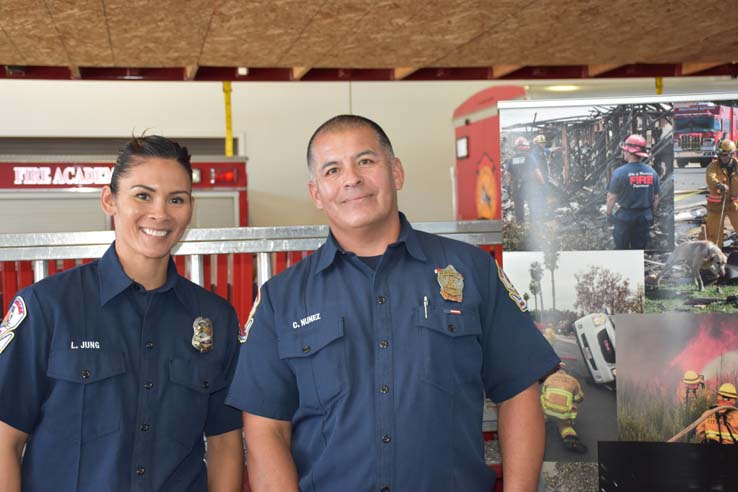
[(404, 72), (502, 70), (690, 68), (299, 72), (599, 69), (190, 72)]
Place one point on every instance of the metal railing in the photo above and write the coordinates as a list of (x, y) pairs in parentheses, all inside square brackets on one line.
[(196, 243)]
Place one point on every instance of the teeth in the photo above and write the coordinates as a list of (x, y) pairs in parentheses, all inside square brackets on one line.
[(154, 232)]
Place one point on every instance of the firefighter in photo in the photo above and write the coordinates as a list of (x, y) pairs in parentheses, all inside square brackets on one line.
[(517, 168), (722, 201), (635, 188), (559, 397), (693, 383), (722, 426)]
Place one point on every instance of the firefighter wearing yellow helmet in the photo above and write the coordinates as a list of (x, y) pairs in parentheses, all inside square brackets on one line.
[(722, 199), (693, 383), (722, 426), (559, 397)]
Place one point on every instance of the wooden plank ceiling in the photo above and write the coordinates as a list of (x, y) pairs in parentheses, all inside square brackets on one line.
[(365, 40)]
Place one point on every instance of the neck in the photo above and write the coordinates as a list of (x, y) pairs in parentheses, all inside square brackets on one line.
[(151, 273), (369, 241)]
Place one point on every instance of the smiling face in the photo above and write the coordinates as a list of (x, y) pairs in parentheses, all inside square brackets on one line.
[(354, 181), (151, 210)]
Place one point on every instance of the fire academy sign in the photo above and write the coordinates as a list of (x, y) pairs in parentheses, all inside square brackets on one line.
[(17, 175)]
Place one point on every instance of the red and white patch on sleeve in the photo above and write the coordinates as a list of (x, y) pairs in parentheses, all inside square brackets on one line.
[(243, 333), (12, 320), (514, 294)]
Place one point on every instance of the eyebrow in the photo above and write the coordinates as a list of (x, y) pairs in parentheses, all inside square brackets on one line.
[(358, 155), (154, 190)]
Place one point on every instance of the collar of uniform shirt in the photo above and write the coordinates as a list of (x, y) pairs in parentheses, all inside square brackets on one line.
[(113, 280), (407, 237)]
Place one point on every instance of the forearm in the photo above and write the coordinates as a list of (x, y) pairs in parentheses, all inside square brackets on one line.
[(522, 440), (269, 457), (11, 448), (225, 462), (611, 197)]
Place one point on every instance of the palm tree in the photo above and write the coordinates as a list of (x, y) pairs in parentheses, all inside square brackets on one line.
[(551, 260), (536, 274), (533, 286)]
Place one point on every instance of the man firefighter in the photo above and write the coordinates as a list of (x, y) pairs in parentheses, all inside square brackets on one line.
[(635, 187), (517, 165), (559, 397), (722, 426), (722, 201), (693, 383)]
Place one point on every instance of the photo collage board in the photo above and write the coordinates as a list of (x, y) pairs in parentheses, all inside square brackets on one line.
[(622, 267)]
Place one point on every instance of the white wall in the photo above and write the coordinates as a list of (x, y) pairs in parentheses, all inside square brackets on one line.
[(275, 119)]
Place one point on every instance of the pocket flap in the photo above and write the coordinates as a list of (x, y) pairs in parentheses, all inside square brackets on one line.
[(308, 340), (448, 322), (85, 366), (198, 376)]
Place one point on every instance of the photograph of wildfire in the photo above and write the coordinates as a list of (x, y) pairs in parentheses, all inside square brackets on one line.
[(670, 367)]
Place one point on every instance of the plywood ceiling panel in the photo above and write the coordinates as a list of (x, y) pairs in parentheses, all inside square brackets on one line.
[(255, 33), (33, 33), (82, 26), (408, 34), (163, 33), (590, 31)]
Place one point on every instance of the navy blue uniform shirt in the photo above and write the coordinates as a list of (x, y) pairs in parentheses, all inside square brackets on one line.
[(635, 184), (384, 390), (105, 379)]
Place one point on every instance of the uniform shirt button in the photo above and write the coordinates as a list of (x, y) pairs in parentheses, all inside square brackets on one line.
[(148, 385), (149, 345), (381, 299), (205, 385), (386, 438), (85, 374), (306, 349), (145, 427), (452, 328), (384, 389), (385, 489), (140, 470), (383, 344)]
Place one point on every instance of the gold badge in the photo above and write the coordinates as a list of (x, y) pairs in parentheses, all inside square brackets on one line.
[(202, 340), (451, 282)]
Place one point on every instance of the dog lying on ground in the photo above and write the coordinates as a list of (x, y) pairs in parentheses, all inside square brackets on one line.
[(697, 255)]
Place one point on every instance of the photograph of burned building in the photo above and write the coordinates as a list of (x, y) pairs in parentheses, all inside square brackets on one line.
[(701, 275), (558, 163)]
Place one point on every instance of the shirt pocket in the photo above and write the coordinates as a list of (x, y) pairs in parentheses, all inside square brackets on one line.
[(450, 346), (86, 399), (187, 398), (317, 355)]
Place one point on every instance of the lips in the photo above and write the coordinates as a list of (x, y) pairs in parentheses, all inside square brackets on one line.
[(356, 198)]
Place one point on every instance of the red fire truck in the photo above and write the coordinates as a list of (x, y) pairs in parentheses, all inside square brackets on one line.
[(699, 127)]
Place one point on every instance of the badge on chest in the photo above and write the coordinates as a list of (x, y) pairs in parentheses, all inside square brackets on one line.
[(202, 339)]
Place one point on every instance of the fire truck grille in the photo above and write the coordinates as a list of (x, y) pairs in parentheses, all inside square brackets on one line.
[(690, 142)]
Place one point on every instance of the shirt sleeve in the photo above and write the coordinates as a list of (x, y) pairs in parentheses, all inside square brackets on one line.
[(516, 354), (657, 184), (264, 384), (24, 358), (221, 417), (613, 186)]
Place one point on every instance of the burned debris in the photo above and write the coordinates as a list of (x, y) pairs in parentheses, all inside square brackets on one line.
[(581, 154)]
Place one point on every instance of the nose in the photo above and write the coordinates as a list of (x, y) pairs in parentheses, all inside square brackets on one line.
[(158, 209), (351, 175)]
